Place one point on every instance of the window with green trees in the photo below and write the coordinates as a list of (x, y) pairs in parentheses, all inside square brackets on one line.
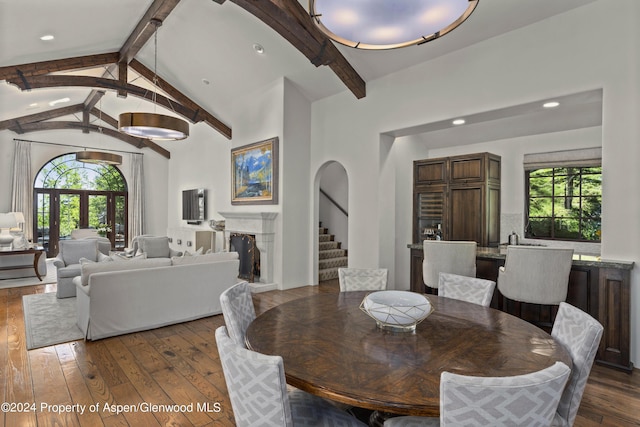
[(564, 203), (72, 194)]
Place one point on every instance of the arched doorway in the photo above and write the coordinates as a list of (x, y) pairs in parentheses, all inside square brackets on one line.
[(69, 194), (333, 217)]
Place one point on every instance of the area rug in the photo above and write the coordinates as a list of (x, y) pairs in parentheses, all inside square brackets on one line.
[(51, 277), (49, 320)]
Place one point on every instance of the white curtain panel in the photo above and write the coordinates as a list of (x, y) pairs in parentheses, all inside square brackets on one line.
[(136, 197), (21, 189)]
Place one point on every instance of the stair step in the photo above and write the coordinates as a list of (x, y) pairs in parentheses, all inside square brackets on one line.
[(323, 230), (326, 238), (332, 253), (325, 246), (327, 274), (333, 263)]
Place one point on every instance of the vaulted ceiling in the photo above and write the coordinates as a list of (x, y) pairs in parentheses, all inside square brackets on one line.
[(104, 51)]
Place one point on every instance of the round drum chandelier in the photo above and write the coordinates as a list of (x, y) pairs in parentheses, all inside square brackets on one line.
[(388, 24)]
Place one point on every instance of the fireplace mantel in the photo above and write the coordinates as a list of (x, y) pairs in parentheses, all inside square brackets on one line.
[(262, 226)]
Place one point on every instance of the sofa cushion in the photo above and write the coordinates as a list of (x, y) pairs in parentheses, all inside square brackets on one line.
[(156, 247), (212, 257), (100, 267), (73, 250)]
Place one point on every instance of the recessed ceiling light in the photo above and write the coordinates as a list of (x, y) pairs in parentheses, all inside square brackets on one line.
[(458, 122), (551, 104), (47, 37), (258, 48), (33, 105), (59, 101)]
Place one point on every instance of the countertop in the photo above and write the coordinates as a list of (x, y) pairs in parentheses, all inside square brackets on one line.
[(587, 260)]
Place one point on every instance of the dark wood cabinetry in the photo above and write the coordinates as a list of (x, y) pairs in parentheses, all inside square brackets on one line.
[(462, 194)]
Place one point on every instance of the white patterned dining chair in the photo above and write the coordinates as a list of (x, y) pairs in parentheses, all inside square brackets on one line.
[(258, 392), (528, 400), (362, 279), (238, 310), (470, 289), (580, 335), (456, 257)]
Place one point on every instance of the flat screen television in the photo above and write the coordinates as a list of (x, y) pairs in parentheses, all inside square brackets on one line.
[(193, 205)]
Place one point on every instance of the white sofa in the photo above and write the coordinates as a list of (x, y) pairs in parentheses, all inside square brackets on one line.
[(115, 298)]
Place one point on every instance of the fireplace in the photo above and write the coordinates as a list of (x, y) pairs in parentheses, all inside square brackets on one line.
[(260, 226), (249, 254)]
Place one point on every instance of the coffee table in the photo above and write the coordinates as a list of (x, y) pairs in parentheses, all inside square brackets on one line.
[(37, 252)]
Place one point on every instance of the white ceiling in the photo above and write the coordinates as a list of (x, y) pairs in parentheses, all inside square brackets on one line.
[(202, 39)]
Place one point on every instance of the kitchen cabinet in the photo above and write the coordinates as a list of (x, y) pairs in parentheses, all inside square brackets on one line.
[(459, 193)]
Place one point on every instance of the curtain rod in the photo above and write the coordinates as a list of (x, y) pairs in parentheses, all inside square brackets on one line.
[(76, 146)]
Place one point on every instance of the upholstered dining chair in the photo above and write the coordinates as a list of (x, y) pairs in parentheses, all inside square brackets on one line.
[(535, 274), (362, 279), (470, 289), (456, 257), (238, 310), (524, 400), (580, 334), (258, 391)]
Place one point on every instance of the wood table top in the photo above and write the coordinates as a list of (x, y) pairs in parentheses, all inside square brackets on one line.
[(334, 350)]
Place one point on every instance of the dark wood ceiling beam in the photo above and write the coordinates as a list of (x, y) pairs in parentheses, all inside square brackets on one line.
[(289, 19), (105, 117), (67, 64), (159, 10), (57, 125), (49, 81), (38, 117), (165, 86)]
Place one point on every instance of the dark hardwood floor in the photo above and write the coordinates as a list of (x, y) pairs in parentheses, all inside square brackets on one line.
[(179, 365)]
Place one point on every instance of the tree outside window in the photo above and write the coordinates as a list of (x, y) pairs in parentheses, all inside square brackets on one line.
[(564, 203)]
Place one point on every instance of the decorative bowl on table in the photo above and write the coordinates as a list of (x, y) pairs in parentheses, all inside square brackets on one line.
[(399, 311)]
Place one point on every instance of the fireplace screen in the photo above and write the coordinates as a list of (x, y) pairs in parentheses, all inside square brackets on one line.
[(245, 245)]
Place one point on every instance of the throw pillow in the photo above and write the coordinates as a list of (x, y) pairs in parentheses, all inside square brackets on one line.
[(156, 247), (84, 261), (124, 257), (73, 250), (196, 253)]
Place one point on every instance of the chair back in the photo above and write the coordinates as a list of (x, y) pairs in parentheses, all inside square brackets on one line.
[(256, 384), (70, 251), (536, 275), (522, 400), (238, 311), (580, 334), (362, 279), (470, 289), (456, 257), (81, 233)]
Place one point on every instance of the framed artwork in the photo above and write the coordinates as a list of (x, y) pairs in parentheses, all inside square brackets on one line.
[(254, 173)]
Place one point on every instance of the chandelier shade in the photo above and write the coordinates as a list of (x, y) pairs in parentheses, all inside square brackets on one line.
[(99, 157), (385, 24), (153, 126)]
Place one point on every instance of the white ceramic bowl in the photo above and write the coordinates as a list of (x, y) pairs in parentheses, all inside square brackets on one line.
[(401, 310)]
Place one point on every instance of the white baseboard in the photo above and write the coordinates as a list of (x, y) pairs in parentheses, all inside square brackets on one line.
[(262, 287)]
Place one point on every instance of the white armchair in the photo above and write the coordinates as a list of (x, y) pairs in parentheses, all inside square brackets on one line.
[(68, 265)]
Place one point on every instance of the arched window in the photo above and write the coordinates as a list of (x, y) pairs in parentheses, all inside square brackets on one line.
[(71, 195)]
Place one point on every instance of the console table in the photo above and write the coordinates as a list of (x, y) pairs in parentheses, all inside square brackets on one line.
[(596, 286), (37, 253)]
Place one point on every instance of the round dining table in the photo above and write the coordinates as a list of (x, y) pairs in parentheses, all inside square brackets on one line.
[(332, 349)]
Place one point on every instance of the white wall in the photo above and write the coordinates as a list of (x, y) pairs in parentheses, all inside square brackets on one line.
[(558, 56)]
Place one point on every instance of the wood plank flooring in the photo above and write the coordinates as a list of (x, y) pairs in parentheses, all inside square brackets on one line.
[(179, 365)]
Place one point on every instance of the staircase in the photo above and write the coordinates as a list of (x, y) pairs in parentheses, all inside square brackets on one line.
[(330, 256)]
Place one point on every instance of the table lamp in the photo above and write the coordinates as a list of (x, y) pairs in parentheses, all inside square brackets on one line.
[(7, 221)]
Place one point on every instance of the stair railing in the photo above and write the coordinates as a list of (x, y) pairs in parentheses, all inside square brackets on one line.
[(343, 210)]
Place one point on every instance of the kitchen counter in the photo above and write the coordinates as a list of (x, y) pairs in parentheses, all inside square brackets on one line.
[(583, 260)]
